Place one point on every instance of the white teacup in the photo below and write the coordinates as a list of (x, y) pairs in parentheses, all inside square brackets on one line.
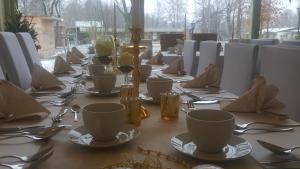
[(96, 69), (156, 86), (104, 82), (104, 120), (210, 130), (145, 71)]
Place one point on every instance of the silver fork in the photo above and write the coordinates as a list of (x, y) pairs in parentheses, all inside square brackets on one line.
[(27, 165), (30, 158), (58, 117), (246, 125), (243, 131)]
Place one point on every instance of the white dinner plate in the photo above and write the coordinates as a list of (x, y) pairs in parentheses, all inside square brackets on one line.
[(144, 97), (95, 92), (81, 136), (235, 149)]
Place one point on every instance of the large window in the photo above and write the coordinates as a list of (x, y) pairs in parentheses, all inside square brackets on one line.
[(81, 21)]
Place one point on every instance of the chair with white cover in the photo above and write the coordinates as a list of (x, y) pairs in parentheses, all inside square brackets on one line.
[(189, 54), (261, 42), (29, 49), (210, 51), (290, 43), (2, 76), (239, 67), (281, 66), (13, 60)]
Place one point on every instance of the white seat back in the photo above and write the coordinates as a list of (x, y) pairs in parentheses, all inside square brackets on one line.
[(265, 41), (281, 66), (189, 54), (2, 76), (239, 67), (13, 61), (209, 52), (29, 49), (290, 43)]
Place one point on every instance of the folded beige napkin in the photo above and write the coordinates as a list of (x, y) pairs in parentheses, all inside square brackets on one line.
[(260, 98), (44, 80), (78, 53), (156, 60), (175, 67), (146, 54), (72, 58), (16, 104), (209, 78), (61, 66)]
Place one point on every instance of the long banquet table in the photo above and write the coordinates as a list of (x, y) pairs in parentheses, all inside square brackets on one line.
[(155, 135)]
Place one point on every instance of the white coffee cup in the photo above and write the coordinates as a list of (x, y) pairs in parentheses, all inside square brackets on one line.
[(104, 82), (210, 130), (156, 86), (145, 72), (96, 69), (104, 120)]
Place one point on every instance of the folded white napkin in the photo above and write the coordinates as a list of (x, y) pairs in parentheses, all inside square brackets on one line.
[(72, 58), (16, 104), (44, 80), (78, 52), (61, 66)]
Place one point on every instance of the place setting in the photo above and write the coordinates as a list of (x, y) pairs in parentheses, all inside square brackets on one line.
[(113, 131), (210, 137), (104, 85)]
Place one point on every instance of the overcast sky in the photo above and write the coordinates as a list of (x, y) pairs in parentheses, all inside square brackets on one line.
[(150, 5)]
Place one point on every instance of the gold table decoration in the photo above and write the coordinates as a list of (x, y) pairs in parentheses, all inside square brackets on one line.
[(135, 38), (151, 161)]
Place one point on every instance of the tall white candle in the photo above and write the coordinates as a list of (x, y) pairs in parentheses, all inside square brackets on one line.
[(135, 12), (115, 20)]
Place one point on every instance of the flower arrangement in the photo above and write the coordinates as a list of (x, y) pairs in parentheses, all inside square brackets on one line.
[(126, 58), (104, 46)]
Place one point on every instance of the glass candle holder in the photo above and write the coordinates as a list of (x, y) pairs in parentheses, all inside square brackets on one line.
[(133, 109), (169, 106)]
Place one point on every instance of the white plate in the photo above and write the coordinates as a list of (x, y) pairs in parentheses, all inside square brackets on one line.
[(147, 99), (82, 137), (95, 92), (235, 149)]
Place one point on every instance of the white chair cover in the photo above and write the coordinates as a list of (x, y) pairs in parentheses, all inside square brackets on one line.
[(29, 49), (209, 51), (281, 66), (239, 67), (13, 60), (290, 43), (2, 76), (189, 54), (265, 42)]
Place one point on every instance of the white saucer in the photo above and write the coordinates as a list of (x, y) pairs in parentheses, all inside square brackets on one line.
[(148, 99), (82, 137), (236, 148), (95, 92)]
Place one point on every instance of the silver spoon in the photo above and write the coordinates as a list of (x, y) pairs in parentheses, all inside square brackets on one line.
[(277, 149), (75, 109), (243, 131)]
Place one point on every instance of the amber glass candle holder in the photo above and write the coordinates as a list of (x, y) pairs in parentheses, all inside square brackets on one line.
[(169, 106)]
